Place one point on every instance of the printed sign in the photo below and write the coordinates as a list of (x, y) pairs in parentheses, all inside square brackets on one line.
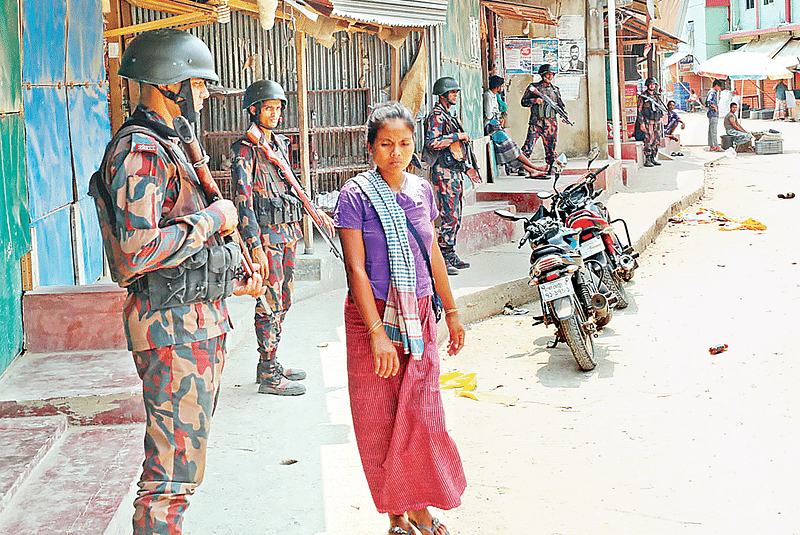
[(572, 56), (525, 56)]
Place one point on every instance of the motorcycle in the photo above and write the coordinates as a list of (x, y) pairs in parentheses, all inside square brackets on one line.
[(568, 293), (576, 206)]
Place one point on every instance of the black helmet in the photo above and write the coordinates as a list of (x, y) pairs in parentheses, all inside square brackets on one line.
[(445, 84), (261, 91), (649, 81), (167, 56), (545, 68)]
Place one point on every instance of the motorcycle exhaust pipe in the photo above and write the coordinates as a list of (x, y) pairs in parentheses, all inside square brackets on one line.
[(626, 264), (600, 305)]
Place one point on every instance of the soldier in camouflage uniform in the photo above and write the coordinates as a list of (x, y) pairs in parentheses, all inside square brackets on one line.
[(543, 122), (159, 234), (648, 121), (447, 172), (269, 220)]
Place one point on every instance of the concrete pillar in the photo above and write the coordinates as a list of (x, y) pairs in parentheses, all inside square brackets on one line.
[(596, 80)]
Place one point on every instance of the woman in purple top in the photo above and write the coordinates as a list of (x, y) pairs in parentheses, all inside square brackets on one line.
[(409, 459)]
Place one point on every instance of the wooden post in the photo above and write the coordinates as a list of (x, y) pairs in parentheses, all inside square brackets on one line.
[(394, 89), (302, 115), (114, 82)]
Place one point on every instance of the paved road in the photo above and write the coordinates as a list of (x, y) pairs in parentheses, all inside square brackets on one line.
[(662, 437)]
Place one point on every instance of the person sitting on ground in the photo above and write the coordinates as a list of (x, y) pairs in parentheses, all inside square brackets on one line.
[(694, 103), (673, 120), (505, 149), (736, 131)]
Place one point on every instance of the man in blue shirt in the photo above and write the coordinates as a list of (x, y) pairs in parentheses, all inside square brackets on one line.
[(712, 103)]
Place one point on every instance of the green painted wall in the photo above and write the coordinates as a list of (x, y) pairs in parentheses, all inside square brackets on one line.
[(15, 239), (456, 62), (716, 24)]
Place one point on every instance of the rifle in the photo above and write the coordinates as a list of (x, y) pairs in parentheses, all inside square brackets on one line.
[(297, 189), (555, 107), (655, 102), (468, 153), (199, 161)]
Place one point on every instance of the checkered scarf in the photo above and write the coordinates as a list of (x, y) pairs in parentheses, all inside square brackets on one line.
[(401, 316)]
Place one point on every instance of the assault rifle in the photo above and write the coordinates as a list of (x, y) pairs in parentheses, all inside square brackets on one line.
[(462, 151), (199, 161), (555, 107), (655, 102), (297, 189)]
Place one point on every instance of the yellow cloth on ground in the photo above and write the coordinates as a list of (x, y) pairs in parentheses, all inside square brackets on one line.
[(468, 383)]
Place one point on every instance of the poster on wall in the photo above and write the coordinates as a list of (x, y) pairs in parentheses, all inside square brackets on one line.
[(572, 55), (569, 86), (525, 56), (571, 27)]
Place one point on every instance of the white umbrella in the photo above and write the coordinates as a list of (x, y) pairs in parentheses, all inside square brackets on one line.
[(743, 66)]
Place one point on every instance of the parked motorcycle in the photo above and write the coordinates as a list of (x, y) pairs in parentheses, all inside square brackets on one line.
[(568, 294), (577, 207)]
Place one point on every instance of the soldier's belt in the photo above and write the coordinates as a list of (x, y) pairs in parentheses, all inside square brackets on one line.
[(276, 210), (208, 275)]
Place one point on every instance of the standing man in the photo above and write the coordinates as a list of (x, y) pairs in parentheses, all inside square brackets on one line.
[(448, 168), (160, 234), (269, 220), (780, 101), (712, 103), (649, 115), (543, 122)]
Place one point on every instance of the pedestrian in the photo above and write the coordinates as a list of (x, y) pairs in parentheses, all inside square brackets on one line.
[(712, 103), (780, 102), (543, 122), (673, 120), (160, 235), (270, 216), (394, 268), (734, 129), (649, 113), (506, 150), (443, 133)]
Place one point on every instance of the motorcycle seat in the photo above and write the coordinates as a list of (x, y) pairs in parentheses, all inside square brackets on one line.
[(551, 249)]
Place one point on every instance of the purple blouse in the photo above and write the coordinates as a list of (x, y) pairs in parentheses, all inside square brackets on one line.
[(354, 211)]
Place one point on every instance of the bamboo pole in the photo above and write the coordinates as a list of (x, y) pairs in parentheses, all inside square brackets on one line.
[(303, 127)]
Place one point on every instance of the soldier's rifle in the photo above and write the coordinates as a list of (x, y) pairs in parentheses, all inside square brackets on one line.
[(655, 102), (547, 100), (297, 189), (199, 161)]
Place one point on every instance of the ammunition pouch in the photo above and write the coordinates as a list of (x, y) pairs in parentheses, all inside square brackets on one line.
[(447, 160), (208, 275), (285, 208)]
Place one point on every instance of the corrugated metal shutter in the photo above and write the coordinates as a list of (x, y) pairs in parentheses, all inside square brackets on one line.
[(414, 13)]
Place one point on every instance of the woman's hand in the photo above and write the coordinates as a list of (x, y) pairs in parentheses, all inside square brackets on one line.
[(456, 330), (387, 364)]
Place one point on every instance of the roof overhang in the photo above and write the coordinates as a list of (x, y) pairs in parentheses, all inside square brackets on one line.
[(733, 36), (634, 31), (522, 12), (404, 13)]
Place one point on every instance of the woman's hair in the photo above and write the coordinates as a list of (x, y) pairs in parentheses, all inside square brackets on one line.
[(383, 113), (495, 81)]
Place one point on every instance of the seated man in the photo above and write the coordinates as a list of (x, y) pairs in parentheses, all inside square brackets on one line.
[(673, 120), (736, 131), (694, 103)]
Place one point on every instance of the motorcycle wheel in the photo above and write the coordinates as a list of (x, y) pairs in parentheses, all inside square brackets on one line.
[(613, 282), (579, 342)]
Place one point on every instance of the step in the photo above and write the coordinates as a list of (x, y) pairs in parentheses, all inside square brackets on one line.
[(89, 388), (631, 150), (482, 228), (23, 444), (81, 485)]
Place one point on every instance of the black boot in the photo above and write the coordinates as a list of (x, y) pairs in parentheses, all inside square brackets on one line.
[(648, 161), (654, 159), (451, 269), (271, 381), (452, 259)]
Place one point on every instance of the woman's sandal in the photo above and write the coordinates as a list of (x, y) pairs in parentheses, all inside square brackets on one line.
[(434, 526), (397, 530)]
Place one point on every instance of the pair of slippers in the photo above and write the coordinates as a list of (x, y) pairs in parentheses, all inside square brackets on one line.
[(676, 154), (397, 530), (788, 195)]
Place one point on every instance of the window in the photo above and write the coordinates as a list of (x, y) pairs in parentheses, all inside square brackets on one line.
[(768, 2), (750, 4)]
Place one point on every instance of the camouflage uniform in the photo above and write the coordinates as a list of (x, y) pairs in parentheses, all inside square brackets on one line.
[(440, 133), (162, 219), (278, 240), (543, 122), (649, 119)]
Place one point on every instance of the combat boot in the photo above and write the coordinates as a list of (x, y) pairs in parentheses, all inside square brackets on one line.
[(452, 259), (293, 374), (451, 269), (272, 382), (654, 159), (648, 161)]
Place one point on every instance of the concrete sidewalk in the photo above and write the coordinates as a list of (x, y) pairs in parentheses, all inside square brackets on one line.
[(290, 465)]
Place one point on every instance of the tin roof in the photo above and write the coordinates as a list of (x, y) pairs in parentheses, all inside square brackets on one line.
[(407, 13)]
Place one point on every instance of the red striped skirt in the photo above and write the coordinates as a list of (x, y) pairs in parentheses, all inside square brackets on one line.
[(408, 457)]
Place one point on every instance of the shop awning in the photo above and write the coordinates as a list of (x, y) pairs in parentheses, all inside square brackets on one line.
[(789, 55), (768, 46), (523, 12), (396, 13)]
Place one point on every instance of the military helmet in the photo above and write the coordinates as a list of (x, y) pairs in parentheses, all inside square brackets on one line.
[(649, 81), (261, 91), (167, 56), (545, 68), (445, 84)]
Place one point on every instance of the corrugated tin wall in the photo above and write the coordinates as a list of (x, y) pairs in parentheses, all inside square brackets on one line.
[(244, 53), (14, 218)]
